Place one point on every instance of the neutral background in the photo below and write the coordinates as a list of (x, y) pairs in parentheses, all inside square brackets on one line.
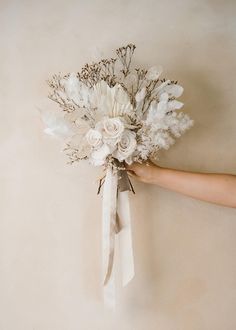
[(50, 225)]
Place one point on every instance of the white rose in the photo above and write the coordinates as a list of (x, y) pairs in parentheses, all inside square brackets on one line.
[(126, 146), (94, 138), (98, 157), (111, 129)]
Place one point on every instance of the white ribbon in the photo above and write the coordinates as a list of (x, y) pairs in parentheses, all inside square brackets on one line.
[(108, 236), (125, 238), (116, 223)]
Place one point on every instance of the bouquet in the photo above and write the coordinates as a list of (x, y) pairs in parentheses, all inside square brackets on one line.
[(113, 114)]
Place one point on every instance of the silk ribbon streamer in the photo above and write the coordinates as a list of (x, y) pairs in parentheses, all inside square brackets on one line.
[(116, 223)]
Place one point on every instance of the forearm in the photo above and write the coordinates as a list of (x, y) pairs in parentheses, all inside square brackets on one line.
[(210, 187)]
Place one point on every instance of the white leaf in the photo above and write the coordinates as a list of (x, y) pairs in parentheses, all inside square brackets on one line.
[(140, 95), (162, 106), (173, 105), (56, 125), (174, 90), (154, 73), (164, 97), (130, 80)]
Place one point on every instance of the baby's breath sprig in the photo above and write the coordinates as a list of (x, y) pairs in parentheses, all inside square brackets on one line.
[(125, 54), (90, 74), (74, 154), (58, 94)]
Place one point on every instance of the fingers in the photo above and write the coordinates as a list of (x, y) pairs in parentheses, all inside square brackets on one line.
[(133, 166), (132, 175), (137, 167), (140, 171), (130, 167), (131, 172)]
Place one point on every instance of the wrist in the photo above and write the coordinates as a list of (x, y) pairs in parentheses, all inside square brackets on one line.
[(157, 175)]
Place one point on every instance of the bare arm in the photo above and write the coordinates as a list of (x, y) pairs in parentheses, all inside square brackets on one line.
[(210, 187)]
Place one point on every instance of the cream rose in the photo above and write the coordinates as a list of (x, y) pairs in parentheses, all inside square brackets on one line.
[(126, 146), (94, 138), (111, 129)]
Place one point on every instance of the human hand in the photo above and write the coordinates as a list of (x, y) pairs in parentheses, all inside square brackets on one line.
[(145, 172)]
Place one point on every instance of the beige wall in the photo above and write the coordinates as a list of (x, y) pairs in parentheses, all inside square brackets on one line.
[(185, 250)]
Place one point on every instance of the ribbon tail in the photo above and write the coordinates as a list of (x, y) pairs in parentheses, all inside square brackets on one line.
[(109, 206), (125, 237)]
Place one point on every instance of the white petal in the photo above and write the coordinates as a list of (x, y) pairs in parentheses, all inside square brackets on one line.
[(162, 106), (112, 102), (173, 105), (164, 97), (130, 80), (161, 88), (140, 95), (174, 90), (154, 73), (72, 87), (120, 95)]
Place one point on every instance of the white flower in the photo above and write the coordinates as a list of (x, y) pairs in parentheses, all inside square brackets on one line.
[(111, 129), (162, 106), (98, 157), (72, 85), (126, 146), (158, 110), (163, 140), (94, 138), (140, 95), (154, 72), (173, 105), (76, 90), (161, 88), (154, 114), (110, 101), (174, 90)]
